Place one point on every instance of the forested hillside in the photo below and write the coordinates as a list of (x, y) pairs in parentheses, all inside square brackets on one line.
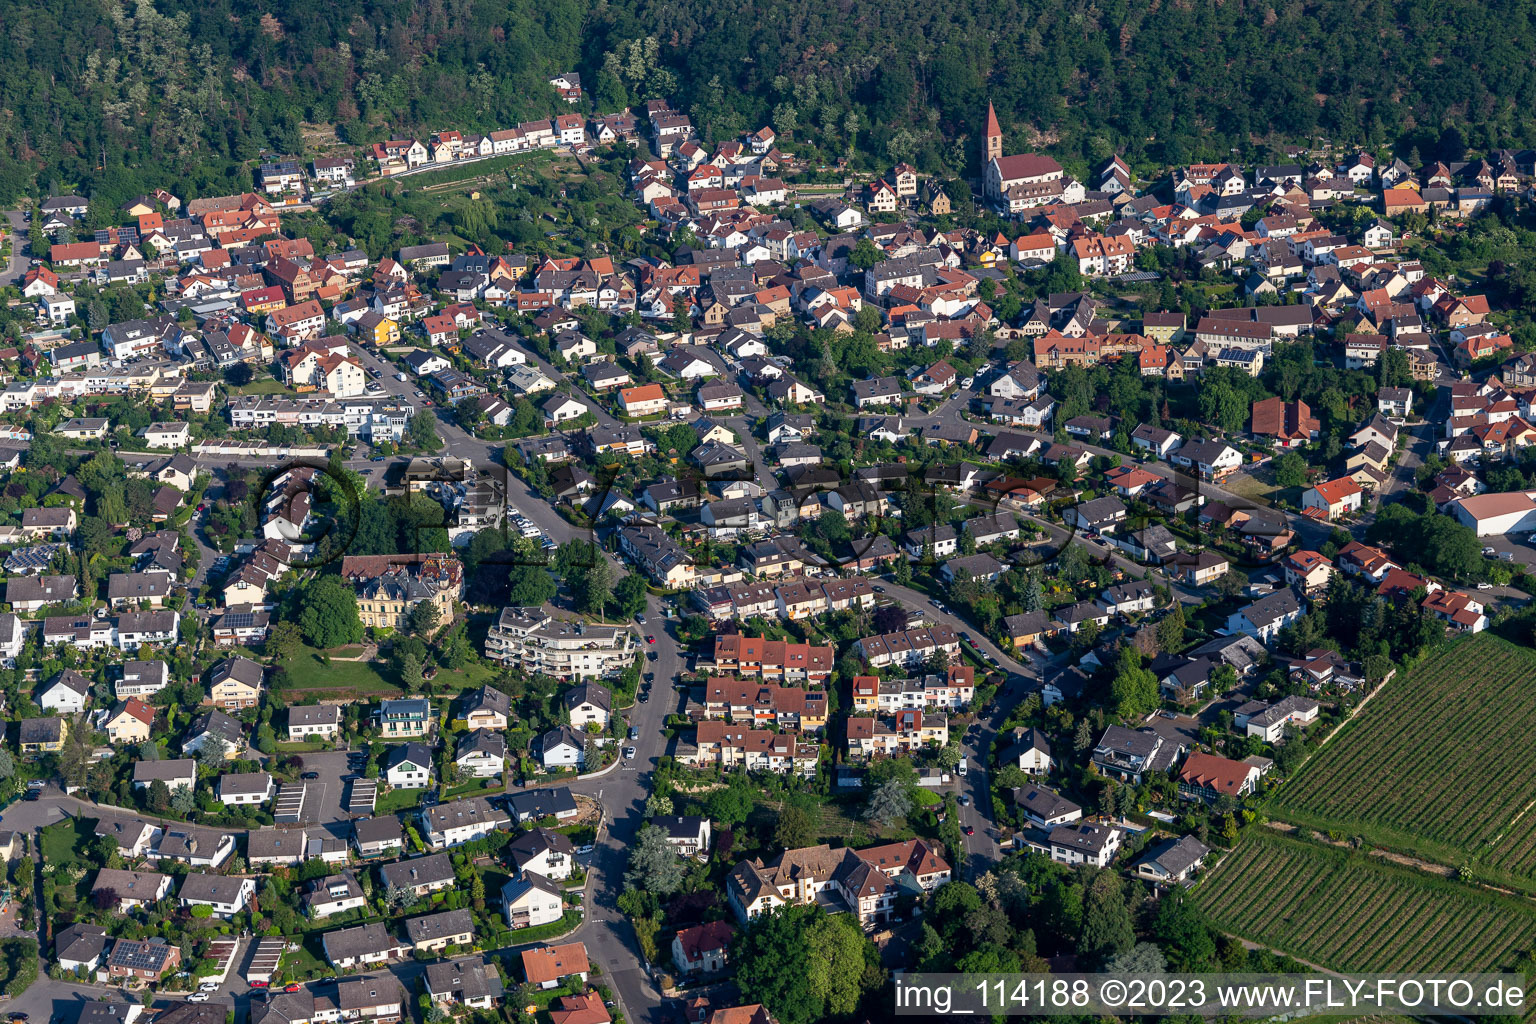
[(184, 91), (1162, 80), (194, 87)]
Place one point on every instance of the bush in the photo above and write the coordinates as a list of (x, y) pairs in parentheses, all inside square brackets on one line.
[(18, 961)]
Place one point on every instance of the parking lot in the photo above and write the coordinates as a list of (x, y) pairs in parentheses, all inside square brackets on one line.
[(328, 803)]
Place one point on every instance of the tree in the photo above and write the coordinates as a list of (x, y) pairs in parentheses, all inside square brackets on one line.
[(400, 898), (654, 865), (629, 595), (1291, 470), (213, 753), (595, 586), (532, 585), (1142, 958), (421, 431), (7, 764), (890, 802), (425, 618), (1135, 688), (183, 801), (159, 796), (1170, 629), (329, 614), (283, 640), (772, 964), (836, 963), (796, 828), (949, 756), (865, 255), (1107, 929), (1180, 928)]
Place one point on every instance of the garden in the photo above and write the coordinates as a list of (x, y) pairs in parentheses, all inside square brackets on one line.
[(1347, 911), (1427, 766)]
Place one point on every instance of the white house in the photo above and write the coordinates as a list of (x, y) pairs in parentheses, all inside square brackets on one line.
[(1334, 498), (543, 852), (688, 834), (1174, 862), (246, 788), (1083, 844), (1213, 460), (531, 900), (1031, 752), (1266, 617), (408, 766), (461, 821), (562, 747), (227, 896), (588, 704), (1044, 807), (67, 693), (481, 753)]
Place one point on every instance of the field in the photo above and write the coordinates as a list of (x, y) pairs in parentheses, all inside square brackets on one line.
[(1347, 911), (1436, 765)]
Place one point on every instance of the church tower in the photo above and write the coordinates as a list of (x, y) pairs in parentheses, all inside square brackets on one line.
[(994, 138)]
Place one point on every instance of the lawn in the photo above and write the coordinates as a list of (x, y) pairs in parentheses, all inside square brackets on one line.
[(61, 843), (1347, 911), (476, 787), (397, 800), (264, 387), (1432, 765), (339, 679)]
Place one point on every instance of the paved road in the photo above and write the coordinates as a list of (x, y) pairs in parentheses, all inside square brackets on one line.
[(609, 938), (16, 269)]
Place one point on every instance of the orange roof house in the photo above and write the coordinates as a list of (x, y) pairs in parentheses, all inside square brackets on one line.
[(642, 400), (1207, 776), (551, 963)]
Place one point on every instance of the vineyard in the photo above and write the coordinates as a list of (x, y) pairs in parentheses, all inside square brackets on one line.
[(1350, 912), (1437, 764)]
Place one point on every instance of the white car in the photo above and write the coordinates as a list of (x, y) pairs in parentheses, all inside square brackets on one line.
[(968, 383), (1485, 586), (198, 997)]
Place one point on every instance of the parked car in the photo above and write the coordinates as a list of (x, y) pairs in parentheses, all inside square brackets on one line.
[(629, 753)]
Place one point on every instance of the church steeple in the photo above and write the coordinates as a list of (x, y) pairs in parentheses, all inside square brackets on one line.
[(993, 136)]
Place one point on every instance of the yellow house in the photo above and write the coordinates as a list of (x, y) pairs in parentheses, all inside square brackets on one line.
[(130, 721), (236, 683), (386, 332), (43, 735)]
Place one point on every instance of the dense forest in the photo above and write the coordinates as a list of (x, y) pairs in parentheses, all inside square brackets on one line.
[(118, 92)]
